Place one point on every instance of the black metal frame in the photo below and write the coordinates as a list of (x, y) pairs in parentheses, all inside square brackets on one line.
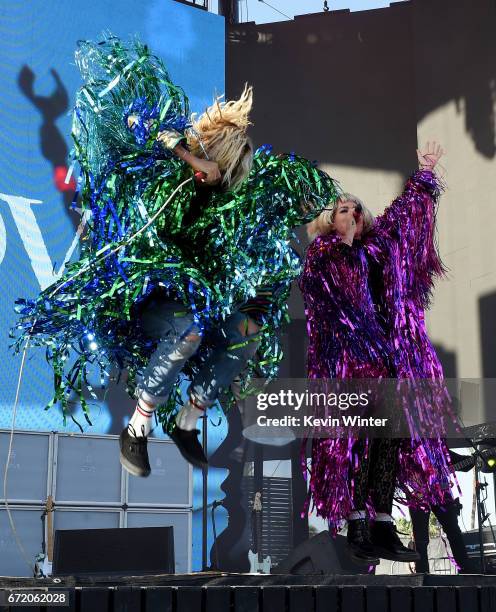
[(482, 514), (201, 4)]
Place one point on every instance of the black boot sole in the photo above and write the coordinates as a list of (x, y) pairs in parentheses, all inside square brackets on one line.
[(367, 561), (132, 469)]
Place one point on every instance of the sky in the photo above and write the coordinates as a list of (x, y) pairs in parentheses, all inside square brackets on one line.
[(261, 12)]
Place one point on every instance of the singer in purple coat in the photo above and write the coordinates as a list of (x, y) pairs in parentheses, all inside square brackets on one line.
[(366, 284)]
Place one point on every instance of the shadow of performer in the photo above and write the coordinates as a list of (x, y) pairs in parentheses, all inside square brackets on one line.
[(52, 143)]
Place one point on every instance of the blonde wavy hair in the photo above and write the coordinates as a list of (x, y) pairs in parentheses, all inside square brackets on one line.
[(220, 134), (322, 224)]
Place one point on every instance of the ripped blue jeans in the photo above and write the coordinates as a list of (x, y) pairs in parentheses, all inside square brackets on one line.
[(179, 339)]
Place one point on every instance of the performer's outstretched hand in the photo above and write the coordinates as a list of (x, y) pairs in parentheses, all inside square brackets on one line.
[(429, 157)]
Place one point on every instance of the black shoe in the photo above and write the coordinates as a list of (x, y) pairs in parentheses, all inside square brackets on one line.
[(359, 545), (387, 544), (134, 453), (189, 447)]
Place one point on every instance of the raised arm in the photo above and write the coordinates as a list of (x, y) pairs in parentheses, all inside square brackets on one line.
[(410, 222), (174, 141)]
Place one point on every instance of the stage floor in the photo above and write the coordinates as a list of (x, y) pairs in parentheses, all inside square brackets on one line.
[(221, 592), (202, 579)]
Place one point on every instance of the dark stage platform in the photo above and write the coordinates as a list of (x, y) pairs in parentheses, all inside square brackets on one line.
[(216, 592)]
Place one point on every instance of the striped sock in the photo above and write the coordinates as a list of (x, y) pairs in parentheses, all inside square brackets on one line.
[(141, 421), (189, 414)]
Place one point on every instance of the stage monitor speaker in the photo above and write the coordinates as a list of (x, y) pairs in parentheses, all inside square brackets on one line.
[(123, 551), (321, 554)]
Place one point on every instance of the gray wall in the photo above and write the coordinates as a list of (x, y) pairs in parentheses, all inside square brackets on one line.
[(90, 490), (357, 92)]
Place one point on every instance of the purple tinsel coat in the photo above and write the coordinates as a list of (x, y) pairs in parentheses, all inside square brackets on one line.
[(365, 318)]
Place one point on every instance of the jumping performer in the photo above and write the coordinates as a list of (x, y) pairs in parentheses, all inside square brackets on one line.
[(177, 278)]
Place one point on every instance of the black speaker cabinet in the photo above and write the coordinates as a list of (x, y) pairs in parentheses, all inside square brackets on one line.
[(124, 552), (321, 554)]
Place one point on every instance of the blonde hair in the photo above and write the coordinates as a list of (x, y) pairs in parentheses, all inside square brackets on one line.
[(322, 223), (220, 134)]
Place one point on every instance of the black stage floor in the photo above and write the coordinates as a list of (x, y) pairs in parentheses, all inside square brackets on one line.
[(218, 592)]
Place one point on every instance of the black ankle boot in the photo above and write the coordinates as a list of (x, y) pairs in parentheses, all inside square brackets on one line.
[(387, 544), (189, 447), (359, 544)]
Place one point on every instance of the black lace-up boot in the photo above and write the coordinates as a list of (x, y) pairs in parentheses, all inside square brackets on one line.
[(359, 544), (387, 544)]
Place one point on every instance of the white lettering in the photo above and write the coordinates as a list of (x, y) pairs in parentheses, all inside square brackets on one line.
[(32, 239)]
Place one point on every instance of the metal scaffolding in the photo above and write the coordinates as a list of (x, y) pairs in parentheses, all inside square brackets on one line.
[(201, 4)]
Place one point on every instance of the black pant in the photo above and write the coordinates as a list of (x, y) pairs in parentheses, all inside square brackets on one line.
[(374, 475), (448, 519)]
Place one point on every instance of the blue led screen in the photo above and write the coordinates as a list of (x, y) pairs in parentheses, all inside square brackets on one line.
[(37, 228)]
